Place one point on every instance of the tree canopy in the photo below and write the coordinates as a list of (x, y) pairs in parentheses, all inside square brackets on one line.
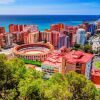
[(19, 83)]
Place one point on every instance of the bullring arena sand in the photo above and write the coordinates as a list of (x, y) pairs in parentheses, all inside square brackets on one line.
[(33, 52)]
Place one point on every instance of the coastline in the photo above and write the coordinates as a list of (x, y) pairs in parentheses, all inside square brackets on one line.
[(44, 21)]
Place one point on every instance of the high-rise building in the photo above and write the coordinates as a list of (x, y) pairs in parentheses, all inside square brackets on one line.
[(61, 41), (81, 36), (1, 40), (30, 28), (45, 35), (26, 39), (11, 28), (64, 40), (98, 25), (92, 28), (5, 40), (67, 42), (85, 26), (20, 28), (55, 38), (57, 27), (40, 36), (16, 28), (20, 32), (88, 35), (71, 32), (2, 30), (8, 40), (31, 38)]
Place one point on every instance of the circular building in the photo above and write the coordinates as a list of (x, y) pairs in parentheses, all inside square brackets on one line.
[(36, 51)]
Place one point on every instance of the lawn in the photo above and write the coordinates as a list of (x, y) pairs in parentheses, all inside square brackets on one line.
[(97, 65), (37, 63)]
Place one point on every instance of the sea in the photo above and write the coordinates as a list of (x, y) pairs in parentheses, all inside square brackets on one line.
[(44, 21)]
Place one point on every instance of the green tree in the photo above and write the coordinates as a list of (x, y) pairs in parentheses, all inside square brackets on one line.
[(18, 70), (77, 46), (5, 77), (80, 87), (11, 71), (88, 48), (29, 87), (56, 88), (98, 95), (19, 83)]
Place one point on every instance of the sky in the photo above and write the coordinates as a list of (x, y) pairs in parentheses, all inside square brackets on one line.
[(49, 7)]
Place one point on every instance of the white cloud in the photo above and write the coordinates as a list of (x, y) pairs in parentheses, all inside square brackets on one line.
[(6, 1)]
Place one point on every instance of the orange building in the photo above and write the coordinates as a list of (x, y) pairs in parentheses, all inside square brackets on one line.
[(16, 28), (95, 76), (13, 28), (57, 27)]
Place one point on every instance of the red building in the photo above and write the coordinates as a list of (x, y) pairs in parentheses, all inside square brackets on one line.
[(98, 25), (54, 38), (53, 63), (16, 28), (5, 40), (2, 30), (30, 38), (71, 32), (95, 76), (1, 40), (84, 26), (79, 62), (20, 32), (45, 35), (18, 37), (40, 36), (57, 27)]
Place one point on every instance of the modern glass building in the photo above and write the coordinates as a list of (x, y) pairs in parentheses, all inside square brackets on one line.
[(81, 36), (92, 28)]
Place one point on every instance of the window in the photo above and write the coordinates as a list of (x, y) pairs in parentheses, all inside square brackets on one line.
[(78, 64)]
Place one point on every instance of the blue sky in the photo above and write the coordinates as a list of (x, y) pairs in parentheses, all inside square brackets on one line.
[(54, 7)]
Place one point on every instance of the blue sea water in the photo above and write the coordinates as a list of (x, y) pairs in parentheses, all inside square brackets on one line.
[(44, 21)]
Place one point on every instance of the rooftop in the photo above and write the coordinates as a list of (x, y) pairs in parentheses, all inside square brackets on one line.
[(78, 57), (55, 59)]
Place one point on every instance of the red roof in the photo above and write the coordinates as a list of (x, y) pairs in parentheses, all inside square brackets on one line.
[(55, 60), (78, 57)]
